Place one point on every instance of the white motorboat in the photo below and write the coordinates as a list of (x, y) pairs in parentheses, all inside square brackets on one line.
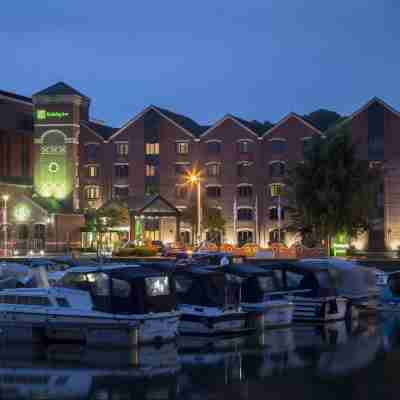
[(257, 294), (132, 292), (311, 290), (208, 303)]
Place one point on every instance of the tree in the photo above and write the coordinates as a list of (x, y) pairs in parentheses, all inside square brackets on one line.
[(332, 192), (110, 215), (323, 119), (212, 219)]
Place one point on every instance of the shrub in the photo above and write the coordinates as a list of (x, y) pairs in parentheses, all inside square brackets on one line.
[(136, 252)]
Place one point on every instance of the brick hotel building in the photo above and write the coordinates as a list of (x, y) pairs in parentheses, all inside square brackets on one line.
[(56, 163)]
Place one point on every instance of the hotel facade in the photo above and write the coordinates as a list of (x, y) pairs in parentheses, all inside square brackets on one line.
[(56, 164)]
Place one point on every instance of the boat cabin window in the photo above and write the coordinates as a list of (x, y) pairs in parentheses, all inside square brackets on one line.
[(100, 283), (293, 280), (157, 286), (121, 288), (25, 300), (183, 283), (267, 283), (62, 302), (394, 284)]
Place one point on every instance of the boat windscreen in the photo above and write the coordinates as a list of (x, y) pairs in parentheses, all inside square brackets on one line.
[(157, 286)]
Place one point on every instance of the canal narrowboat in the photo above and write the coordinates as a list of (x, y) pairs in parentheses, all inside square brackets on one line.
[(133, 292), (209, 303), (312, 290), (258, 293)]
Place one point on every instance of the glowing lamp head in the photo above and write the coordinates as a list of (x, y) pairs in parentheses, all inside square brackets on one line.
[(5, 197), (193, 178)]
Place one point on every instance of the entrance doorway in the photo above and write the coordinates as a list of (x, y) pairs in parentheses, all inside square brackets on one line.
[(245, 237)]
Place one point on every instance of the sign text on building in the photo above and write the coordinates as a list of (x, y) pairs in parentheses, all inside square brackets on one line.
[(44, 114)]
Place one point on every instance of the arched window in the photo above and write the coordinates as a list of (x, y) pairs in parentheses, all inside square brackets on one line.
[(92, 192), (275, 235), (245, 214), (245, 237)]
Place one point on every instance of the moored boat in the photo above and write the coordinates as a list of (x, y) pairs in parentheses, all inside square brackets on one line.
[(209, 303)]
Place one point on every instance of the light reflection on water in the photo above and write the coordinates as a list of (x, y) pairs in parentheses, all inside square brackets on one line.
[(302, 362)]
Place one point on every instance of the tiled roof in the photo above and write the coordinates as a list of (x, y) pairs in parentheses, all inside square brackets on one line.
[(15, 96), (60, 88), (103, 130), (257, 127), (185, 122)]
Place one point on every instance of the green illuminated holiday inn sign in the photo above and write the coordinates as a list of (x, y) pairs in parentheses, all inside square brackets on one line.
[(44, 114)]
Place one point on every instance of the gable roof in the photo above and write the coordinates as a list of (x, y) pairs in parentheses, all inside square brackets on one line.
[(60, 88), (140, 204), (248, 126), (15, 96), (182, 122), (286, 118), (103, 131)]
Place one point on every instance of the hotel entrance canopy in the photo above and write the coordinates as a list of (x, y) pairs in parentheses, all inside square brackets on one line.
[(145, 208)]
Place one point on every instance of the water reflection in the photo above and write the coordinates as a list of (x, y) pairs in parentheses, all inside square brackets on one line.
[(281, 361)]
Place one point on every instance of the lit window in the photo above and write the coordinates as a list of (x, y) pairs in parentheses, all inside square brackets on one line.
[(182, 148), (157, 286), (213, 191), (273, 213), (213, 169), (244, 146), (152, 149), (92, 193), (122, 171), (122, 149), (150, 170), (275, 189), (92, 171)]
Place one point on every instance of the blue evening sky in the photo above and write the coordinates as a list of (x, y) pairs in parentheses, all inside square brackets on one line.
[(258, 59)]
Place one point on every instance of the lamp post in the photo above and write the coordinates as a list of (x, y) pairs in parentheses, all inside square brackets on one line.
[(5, 198), (195, 179)]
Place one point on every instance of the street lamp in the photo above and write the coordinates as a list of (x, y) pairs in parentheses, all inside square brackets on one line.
[(5, 198), (195, 180)]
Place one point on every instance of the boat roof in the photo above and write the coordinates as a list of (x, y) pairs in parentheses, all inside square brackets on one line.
[(246, 270), (201, 270), (130, 271), (296, 265)]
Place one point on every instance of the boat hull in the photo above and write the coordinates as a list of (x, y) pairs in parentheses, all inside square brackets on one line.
[(212, 321), (320, 309), (274, 313)]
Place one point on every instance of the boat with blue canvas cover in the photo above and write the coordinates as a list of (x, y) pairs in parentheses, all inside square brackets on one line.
[(260, 293)]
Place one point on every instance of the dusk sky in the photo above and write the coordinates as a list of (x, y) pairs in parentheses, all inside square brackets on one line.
[(255, 59)]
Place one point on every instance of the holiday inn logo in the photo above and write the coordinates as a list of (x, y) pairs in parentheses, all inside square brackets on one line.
[(44, 114)]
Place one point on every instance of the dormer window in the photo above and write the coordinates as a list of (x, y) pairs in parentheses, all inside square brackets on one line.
[(244, 146), (122, 149)]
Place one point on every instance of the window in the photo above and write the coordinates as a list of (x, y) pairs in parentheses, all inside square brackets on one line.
[(277, 169), (275, 236), (122, 149), (181, 191), (152, 224), (121, 170), (182, 148), (91, 151), (275, 189), (244, 146), (278, 146), (180, 169), (157, 286), (243, 170), (92, 193), (273, 213), (92, 171), (121, 192), (152, 149), (245, 191), (293, 280), (245, 214), (214, 147), (151, 170), (306, 145), (62, 302), (245, 237), (213, 191), (120, 288), (213, 169)]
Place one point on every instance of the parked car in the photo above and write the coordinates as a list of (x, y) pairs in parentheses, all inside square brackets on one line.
[(172, 249)]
